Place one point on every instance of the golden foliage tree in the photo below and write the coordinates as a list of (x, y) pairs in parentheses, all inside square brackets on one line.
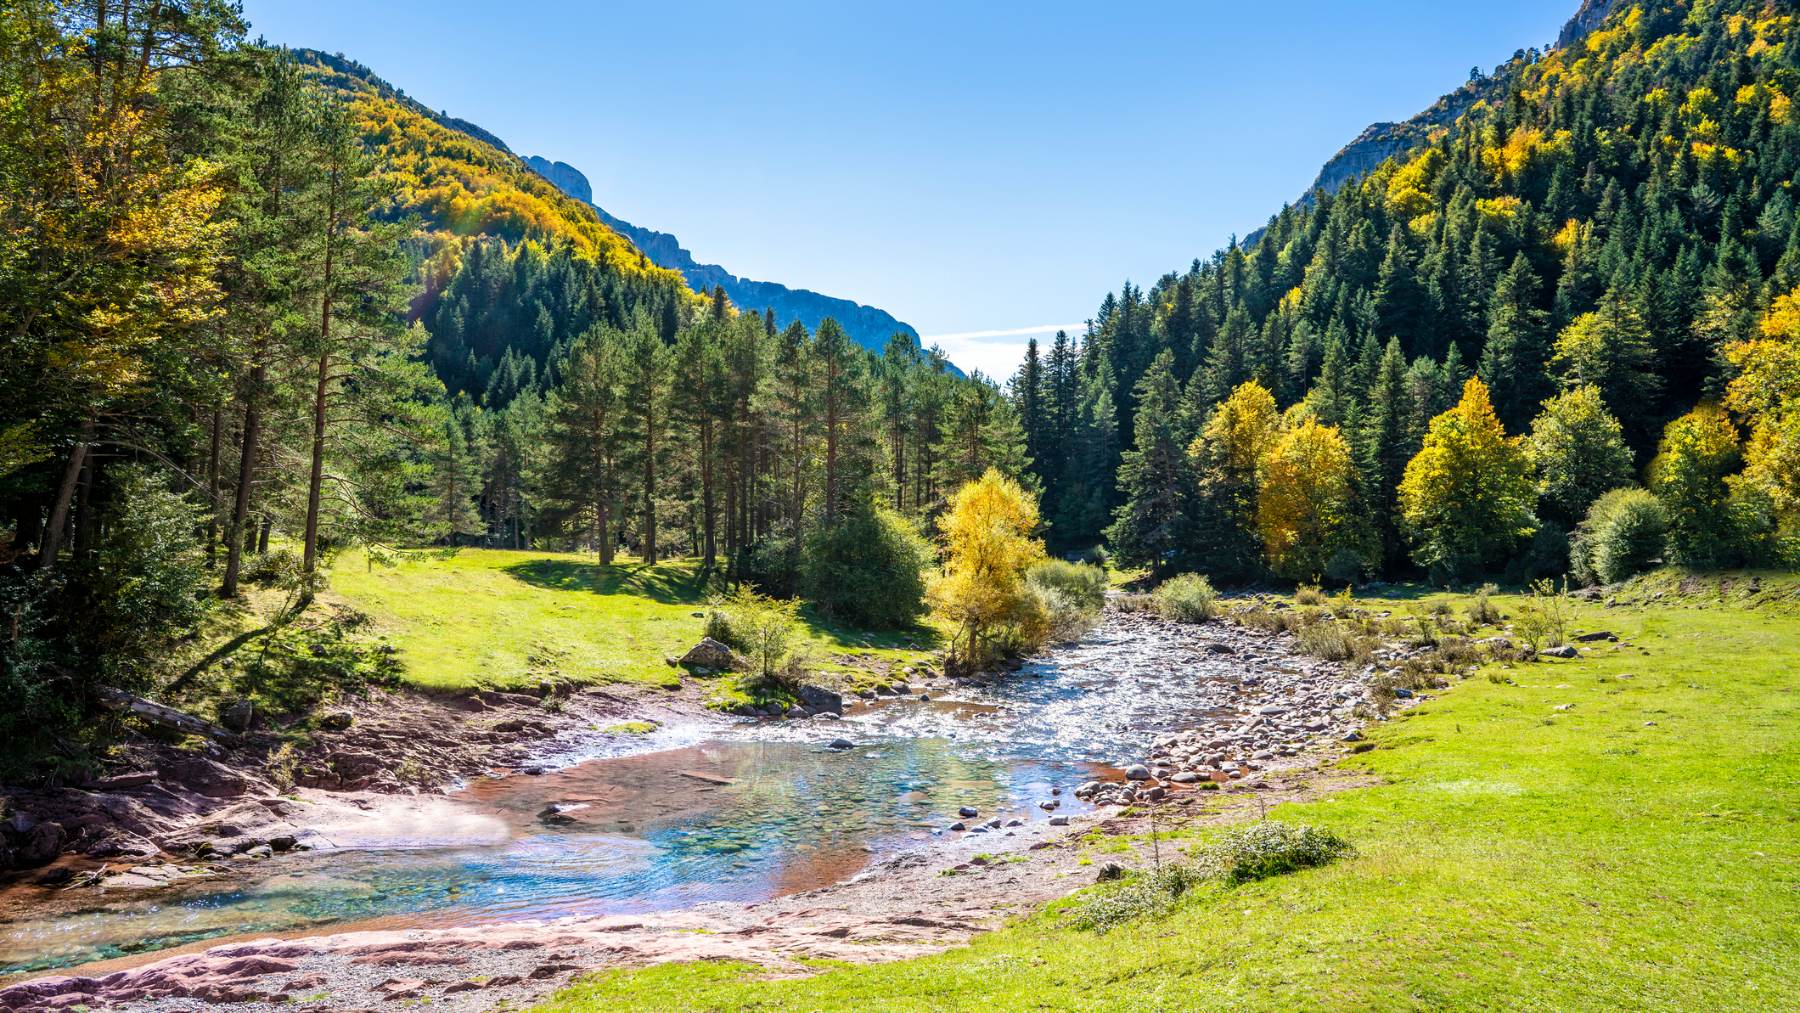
[(1766, 394), (988, 545), (1303, 500), (1467, 495)]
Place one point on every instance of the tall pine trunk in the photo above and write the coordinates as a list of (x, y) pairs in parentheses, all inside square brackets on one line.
[(240, 510)]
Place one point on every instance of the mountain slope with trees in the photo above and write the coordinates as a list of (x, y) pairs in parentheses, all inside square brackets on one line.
[(1584, 263)]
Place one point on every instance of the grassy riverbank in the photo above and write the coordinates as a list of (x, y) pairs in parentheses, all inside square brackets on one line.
[(1615, 831), (490, 617)]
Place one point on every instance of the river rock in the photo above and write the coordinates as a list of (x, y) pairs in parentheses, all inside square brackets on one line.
[(1185, 777), (1137, 772), (968, 812), (1059, 821), (842, 744), (820, 700)]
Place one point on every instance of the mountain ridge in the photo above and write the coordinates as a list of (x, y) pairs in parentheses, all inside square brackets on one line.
[(869, 326)]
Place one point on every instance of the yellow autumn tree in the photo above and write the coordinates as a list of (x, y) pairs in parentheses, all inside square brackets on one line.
[(1303, 500), (989, 543), (1466, 498), (1766, 395), (1239, 432)]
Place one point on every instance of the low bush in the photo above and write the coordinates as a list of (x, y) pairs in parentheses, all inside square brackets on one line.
[(1063, 618), (1482, 611), (1083, 585), (1189, 598), (1269, 848), (1625, 533), (1309, 594), (1333, 641), (1141, 896)]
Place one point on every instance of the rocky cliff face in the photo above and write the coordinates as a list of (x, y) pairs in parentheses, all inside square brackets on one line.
[(868, 326)]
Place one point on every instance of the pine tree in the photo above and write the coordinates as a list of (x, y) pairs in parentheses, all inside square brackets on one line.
[(1154, 476), (1512, 363)]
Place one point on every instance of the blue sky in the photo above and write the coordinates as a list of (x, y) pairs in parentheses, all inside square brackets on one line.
[(969, 167)]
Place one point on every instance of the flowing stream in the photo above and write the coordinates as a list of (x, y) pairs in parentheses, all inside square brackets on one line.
[(739, 813)]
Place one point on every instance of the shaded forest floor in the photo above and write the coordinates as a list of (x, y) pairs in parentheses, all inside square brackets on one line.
[(1611, 831)]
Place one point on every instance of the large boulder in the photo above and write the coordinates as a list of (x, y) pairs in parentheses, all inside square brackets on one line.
[(819, 700), (41, 845), (712, 656)]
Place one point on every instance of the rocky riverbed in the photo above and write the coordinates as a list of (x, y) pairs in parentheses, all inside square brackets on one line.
[(1183, 719)]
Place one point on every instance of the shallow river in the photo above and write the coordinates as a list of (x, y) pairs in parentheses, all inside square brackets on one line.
[(736, 813)]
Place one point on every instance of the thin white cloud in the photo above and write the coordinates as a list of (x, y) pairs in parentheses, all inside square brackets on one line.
[(1016, 332), (996, 353)]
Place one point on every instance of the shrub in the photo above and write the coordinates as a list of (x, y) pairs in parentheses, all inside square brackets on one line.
[(1625, 533), (1063, 618), (1482, 610), (1082, 584), (1189, 598), (1141, 896), (1333, 641), (766, 630), (1269, 848), (1544, 618), (1309, 594), (275, 568), (867, 569)]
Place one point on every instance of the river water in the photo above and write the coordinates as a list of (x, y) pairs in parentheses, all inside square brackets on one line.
[(740, 812)]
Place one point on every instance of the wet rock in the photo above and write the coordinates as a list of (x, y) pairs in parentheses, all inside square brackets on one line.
[(1015, 823), (1137, 772), (968, 812), (1047, 806), (41, 845), (959, 826), (1059, 821), (557, 813), (818, 699), (283, 842), (842, 744)]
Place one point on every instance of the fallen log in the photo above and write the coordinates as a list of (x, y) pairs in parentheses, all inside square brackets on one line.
[(160, 715)]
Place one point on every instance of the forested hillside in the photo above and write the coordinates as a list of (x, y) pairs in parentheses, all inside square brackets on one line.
[(1586, 281), (257, 307)]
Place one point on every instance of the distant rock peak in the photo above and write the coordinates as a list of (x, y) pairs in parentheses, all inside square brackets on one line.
[(867, 325)]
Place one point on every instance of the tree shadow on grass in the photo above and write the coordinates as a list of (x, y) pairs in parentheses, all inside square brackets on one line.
[(667, 583)]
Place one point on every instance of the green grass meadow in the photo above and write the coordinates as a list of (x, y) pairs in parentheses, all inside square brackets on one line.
[(499, 618), (1616, 832)]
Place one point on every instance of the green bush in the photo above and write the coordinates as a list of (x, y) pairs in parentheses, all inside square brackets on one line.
[(1269, 848), (765, 630), (1063, 619), (1083, 585), (867, 569), (1625, 533), (1141, 896), (1189, 598)]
